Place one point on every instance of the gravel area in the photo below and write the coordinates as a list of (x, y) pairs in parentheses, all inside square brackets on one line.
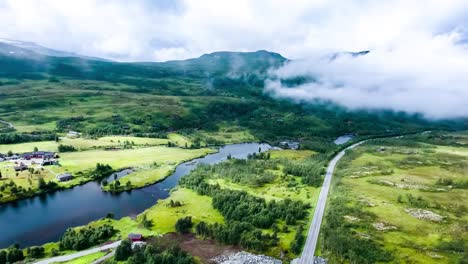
[(245, 258)]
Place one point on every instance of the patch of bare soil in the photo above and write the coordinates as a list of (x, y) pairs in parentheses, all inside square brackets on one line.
[(205, 249)]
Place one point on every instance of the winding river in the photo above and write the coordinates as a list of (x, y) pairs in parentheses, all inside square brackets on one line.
[(45, 218)]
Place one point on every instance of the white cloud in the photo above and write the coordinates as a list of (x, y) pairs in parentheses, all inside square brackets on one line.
[(417, 62)]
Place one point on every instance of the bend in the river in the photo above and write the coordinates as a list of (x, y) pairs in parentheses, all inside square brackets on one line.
[(45, 218)]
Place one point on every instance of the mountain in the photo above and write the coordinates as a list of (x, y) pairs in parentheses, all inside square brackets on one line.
[(33, 47), (348, 53), (20, 61)]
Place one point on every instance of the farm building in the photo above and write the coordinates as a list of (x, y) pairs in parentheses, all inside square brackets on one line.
[(48, 162), (64, 177), (21, 167), (289, 144), (73, 134), (135, 237), (38, 155)]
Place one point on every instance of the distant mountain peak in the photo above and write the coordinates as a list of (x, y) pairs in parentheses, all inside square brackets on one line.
[(258, 53), (349, 53), (41, 50)]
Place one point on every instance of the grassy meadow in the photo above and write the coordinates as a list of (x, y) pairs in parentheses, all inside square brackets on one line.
[(406, 196), (82, 143), (151, 160)]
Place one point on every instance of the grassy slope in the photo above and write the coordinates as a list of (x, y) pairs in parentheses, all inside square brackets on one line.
[(415, 240)]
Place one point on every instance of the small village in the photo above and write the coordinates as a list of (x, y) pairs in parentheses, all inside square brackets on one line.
[(34, 160)]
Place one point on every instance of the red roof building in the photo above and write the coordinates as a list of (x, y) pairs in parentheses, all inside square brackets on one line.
[(135, 237)]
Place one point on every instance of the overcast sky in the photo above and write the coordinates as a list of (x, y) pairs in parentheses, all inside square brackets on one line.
[(418, 63)]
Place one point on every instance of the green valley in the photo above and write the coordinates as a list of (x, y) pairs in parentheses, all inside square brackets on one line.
[(400, 200)]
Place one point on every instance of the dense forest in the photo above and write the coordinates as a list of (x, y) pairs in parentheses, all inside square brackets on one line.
[(245, 215), (209, 93)]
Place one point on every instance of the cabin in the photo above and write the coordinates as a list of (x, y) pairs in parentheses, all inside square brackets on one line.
[(64, 177), (48, 162), (73, 134), (21, 167), (38, 155), (135, 237), (289, 144)]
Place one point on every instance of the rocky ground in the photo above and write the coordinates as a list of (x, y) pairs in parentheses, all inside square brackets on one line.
[(425, 215), (245, 258)]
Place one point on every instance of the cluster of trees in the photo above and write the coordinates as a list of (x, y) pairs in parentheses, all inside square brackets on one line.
[(173, 204), (86, 237), (246, 172), (46, 186), (311, 171), (184, 225), (35, 252), (101, 171), (66, 148), (299, 240), (11, 255), (14, 189), (69, 123), (339, 236), (116, 186), (147, 223), (259, 155), (240, 206), (238, 233), (245, 214), (13, 138), (150, 254), (451, 182)]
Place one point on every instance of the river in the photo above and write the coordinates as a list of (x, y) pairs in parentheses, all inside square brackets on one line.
[(45, 218)]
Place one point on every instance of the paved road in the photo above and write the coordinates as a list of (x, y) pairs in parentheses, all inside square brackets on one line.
[(78, 254), (307, 256), (106, 257)]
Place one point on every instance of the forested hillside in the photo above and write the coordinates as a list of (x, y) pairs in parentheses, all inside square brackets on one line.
[(201, 97)]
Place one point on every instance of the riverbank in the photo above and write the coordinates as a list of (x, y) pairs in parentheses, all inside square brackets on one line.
[(142, 177), (50, 226), (154, 164)]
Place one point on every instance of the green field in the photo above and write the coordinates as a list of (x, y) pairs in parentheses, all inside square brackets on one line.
[(197, 206), (82, 160), (152, 164), (407, 196), (82, 143)]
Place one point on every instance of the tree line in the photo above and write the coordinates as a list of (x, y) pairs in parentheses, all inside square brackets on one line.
[(86, 237), (150, 254), (13, 138)]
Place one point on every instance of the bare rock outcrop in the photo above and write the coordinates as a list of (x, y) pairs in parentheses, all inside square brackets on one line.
[(245, 258), (425, 215)]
